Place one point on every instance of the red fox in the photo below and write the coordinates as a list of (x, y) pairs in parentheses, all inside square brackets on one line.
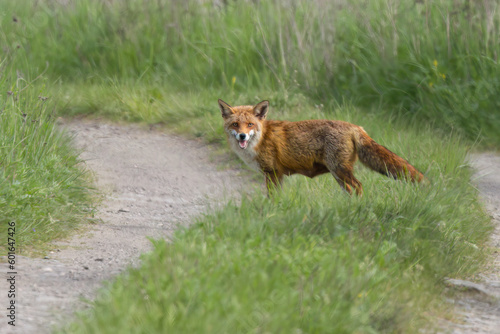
[(310, 148)]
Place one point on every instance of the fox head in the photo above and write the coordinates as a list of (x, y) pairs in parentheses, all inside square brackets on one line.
[(243, 124)]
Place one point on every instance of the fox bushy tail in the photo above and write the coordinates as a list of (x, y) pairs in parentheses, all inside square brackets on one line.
[(380, 159)]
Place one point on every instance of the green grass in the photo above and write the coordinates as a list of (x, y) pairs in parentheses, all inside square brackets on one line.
[(43, 189), (311, 259), (421, 77), (436, 62)]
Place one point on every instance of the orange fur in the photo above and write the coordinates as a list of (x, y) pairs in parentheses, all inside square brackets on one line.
[(310, 148)]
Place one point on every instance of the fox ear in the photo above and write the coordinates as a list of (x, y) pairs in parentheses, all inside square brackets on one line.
[(225, 109), (260, 110)]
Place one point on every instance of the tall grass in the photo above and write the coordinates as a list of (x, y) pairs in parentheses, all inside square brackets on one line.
[(42, 187), (434, 61)]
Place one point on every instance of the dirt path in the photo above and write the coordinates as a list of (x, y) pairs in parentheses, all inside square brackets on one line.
[(478, 307), (154, 181)]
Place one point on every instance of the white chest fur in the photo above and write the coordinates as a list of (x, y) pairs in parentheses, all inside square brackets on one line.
[(249, 154)]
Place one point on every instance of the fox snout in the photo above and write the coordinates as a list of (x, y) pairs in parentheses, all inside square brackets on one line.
[(242, 139)]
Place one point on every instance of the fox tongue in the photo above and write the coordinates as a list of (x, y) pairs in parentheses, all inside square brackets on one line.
[(243, 143)]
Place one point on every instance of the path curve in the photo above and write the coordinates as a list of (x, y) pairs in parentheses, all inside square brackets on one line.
[(153, 181)]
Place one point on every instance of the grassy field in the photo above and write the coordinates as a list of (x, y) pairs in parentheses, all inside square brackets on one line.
[(435, 62), (421, 77)]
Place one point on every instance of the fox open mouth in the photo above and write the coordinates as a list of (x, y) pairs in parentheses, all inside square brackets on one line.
[(243, 143)]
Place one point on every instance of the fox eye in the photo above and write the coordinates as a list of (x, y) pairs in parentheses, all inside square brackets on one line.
[(250, 125), (235, 125)]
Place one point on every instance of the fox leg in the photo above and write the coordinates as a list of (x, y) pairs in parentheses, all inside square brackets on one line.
[(345, 178), (341, 164)]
